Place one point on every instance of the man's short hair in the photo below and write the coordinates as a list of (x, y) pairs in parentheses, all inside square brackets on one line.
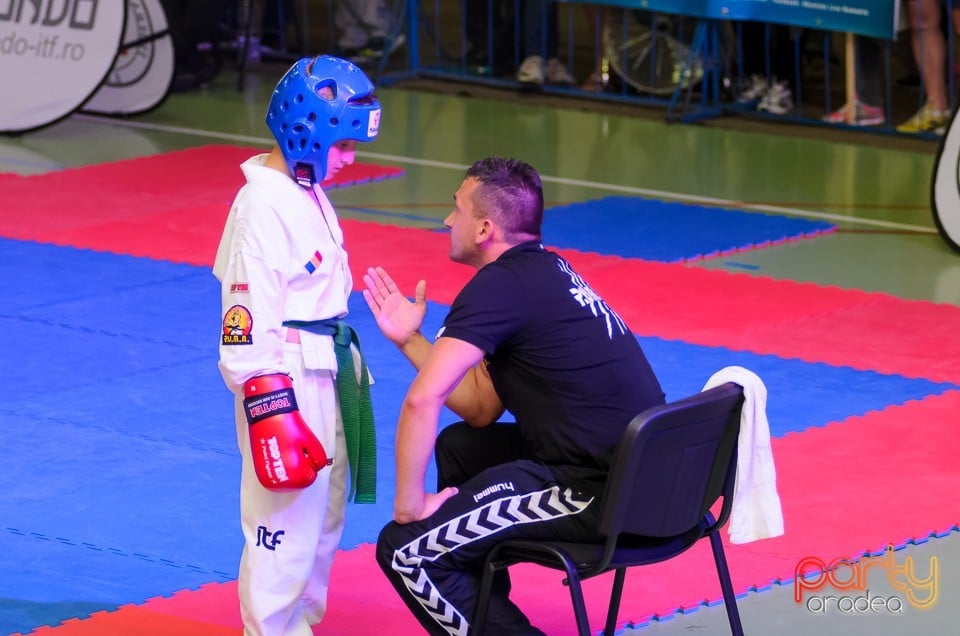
[(511, 194)]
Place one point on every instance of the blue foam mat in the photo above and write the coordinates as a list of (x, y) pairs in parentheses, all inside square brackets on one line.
[(649, 229), (125, 431)]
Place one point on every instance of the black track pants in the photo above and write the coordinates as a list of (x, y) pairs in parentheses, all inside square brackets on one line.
[(435, 564)]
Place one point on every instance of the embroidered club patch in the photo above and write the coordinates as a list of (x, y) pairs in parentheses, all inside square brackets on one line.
[(237, 325), (312, 265)]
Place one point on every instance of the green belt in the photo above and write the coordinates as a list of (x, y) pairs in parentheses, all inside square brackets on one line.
[(356, 410)]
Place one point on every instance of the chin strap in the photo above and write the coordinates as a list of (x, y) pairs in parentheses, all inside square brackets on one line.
[(304, 174)]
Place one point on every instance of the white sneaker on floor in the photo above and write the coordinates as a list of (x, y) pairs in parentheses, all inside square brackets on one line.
[(531, 70), (556, 73), (778, 100), (756, 88)]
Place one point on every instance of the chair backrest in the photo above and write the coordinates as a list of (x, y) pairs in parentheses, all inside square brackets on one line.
[(673, 463)]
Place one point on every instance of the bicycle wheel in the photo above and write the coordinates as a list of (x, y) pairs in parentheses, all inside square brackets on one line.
[(646, 55)]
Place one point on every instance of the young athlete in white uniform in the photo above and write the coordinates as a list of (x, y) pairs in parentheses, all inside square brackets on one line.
[(285, 283)]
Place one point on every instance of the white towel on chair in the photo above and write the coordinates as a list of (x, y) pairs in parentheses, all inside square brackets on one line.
[(756, 512)]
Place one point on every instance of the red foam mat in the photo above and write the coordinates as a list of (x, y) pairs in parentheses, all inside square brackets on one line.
[(821, 520), (172, 207), (810, 322)]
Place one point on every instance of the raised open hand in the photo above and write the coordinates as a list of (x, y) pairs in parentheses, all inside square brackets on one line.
[(398, 318)]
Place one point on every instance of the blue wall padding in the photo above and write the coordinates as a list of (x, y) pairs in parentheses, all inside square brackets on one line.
[(665, 231), (121, 468)]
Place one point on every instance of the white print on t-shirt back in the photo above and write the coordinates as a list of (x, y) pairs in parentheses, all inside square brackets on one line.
[(586, 297)]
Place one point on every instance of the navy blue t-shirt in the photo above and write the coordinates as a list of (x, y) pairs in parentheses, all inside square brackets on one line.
[(561, 360)]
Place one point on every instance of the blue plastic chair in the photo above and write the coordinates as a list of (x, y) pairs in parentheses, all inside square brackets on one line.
[(672, 465)]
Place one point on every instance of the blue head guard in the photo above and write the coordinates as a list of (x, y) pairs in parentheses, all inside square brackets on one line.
[(306, 124)]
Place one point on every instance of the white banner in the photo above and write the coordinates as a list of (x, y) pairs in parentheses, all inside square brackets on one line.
[(53, 56), (946, 185), (142, 73)]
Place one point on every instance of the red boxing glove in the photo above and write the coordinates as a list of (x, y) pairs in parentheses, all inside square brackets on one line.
[(286, 453)]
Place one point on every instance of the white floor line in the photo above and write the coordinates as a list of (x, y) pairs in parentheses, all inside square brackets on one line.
[(608, 187)]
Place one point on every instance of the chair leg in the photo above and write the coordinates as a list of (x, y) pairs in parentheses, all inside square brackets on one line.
[(396, 23), (579, 607), (242, 71), (618, 578), (729, 598)]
